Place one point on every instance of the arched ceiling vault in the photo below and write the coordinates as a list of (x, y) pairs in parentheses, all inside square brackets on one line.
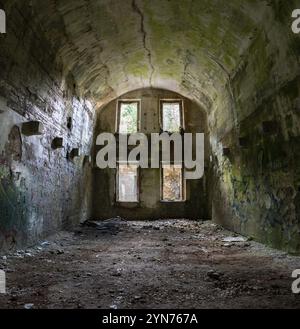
[(192, 47)]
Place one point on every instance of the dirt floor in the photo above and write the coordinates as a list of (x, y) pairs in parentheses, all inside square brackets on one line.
[(164, 264)]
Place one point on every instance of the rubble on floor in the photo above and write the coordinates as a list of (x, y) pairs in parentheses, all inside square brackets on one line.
[(160, 264), (108, 226)]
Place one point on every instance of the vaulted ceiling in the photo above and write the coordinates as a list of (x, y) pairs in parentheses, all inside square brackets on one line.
[(189, 46)]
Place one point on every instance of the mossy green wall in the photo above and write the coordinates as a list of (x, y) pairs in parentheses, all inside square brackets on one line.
[(257, 188)]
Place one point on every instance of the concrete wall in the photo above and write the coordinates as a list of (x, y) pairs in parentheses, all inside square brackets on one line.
[(41, 191), (150, 207), (256, 188)]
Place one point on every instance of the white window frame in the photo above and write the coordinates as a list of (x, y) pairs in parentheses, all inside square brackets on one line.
[(174, 100), (118, 113), (117, 183)]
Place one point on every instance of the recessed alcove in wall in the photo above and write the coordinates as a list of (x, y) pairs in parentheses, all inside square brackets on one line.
[(57, 143), (147, 189), (32, 128)]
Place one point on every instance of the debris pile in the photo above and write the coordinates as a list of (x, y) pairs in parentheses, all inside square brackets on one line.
[(109, 226)]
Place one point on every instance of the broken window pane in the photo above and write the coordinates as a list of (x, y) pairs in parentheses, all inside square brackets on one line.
[(128, 117), (127, 183), (171, 116), (172, 183)]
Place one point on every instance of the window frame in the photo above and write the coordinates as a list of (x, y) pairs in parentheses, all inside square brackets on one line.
[(183, 184), (171, 101), (117, 199), (118, 113)]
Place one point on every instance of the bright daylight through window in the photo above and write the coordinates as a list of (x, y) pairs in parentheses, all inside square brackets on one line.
[(128, 117), (172, 184), (127, 183), (171, 116)]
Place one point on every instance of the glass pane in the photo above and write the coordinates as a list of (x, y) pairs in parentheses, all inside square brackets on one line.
[(128, 118), (172, 184), (171, 117), (128, 183)]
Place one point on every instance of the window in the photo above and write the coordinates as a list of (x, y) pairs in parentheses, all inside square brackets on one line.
[(172, 183), (128, 117), (127, 183), (171, 116)]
